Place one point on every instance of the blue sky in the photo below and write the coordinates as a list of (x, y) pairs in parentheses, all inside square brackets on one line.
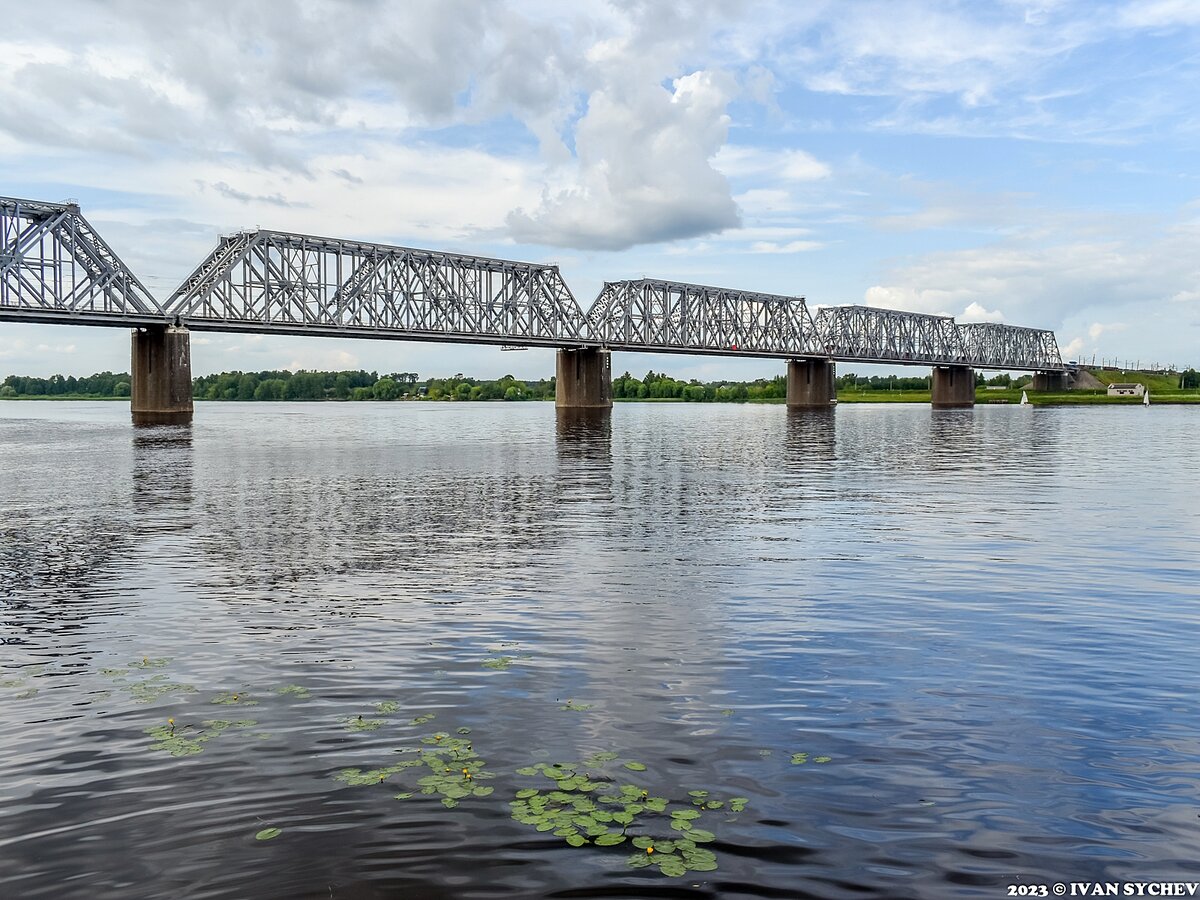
[(1032, 163)]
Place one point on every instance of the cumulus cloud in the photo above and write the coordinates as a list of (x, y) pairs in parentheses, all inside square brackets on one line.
[(644, 169), (975, 312)]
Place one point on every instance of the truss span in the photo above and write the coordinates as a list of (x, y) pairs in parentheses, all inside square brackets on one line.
[(991, 345), (278, 282), (54, 267), (868, 334), (673, 317)]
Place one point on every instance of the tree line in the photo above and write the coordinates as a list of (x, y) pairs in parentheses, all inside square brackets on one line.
[(362, 385), (102, 384)]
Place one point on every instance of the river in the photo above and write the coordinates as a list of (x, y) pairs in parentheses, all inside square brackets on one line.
[(879, 652)]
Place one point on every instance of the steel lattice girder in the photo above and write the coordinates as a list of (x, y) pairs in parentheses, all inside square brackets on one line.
[(277, 282), (887, 335), (991, 345), (54, 267), (649, 314)]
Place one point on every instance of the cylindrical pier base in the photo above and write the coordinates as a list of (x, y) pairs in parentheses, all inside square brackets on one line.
[(1050, 381), (161, 367), (953, 387), (811, 384), (583, 379)]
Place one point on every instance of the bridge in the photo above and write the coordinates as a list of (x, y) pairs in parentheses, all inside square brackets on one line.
[(55, 268)]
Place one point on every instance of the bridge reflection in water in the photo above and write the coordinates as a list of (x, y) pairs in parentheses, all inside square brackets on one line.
[(55, 268)]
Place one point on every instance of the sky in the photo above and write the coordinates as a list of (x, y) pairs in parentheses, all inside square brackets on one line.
[(1030, 163)]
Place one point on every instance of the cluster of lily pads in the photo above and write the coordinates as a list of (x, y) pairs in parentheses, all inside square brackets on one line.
[(27, 690), (454, 770), (601, 801), (799, 759), (587, 805), (188, 740), (384, 709), (149, 689)]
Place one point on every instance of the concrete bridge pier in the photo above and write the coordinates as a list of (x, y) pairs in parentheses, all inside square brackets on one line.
[(953, 387), (811, 384), (1050, 381), (162, 376), (583, 379)]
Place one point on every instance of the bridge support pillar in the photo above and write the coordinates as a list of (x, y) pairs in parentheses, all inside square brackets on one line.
[(810, 384), (1050, 381), (583, 379), (953, 387), (162, 376)]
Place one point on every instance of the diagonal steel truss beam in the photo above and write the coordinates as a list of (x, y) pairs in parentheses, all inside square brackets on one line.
[(54, 267), (670, 316), (280, 282), (994, 346), (869, 334)]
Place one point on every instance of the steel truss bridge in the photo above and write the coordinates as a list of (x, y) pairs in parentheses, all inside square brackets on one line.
[(54, 267)]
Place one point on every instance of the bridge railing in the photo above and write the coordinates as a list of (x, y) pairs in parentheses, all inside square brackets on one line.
[(54, 267), (273, 281), (671, 316)]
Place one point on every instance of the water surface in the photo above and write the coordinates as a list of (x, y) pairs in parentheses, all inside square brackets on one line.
[(985, 619)]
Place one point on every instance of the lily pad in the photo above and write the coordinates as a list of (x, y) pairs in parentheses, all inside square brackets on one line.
[(635, 766), (671, 866), (268, 834), (232, 698)]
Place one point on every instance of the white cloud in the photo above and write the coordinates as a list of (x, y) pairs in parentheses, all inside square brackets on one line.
[(1072, 349), (644, 173), (741, 161), (1098, 328), (1160, 13), (976, 313), (789, 247)]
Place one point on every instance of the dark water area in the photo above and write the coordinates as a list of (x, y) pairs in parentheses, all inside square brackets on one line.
[(910, 653)]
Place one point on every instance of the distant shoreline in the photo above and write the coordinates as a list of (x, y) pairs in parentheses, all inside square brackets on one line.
[(1069, 399)]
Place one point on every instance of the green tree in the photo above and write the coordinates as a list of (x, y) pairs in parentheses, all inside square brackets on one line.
[(386, 389), (271, 389), (121, 389), (246, 386)]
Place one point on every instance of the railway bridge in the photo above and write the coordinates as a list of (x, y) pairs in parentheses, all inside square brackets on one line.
[(56, 268)]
